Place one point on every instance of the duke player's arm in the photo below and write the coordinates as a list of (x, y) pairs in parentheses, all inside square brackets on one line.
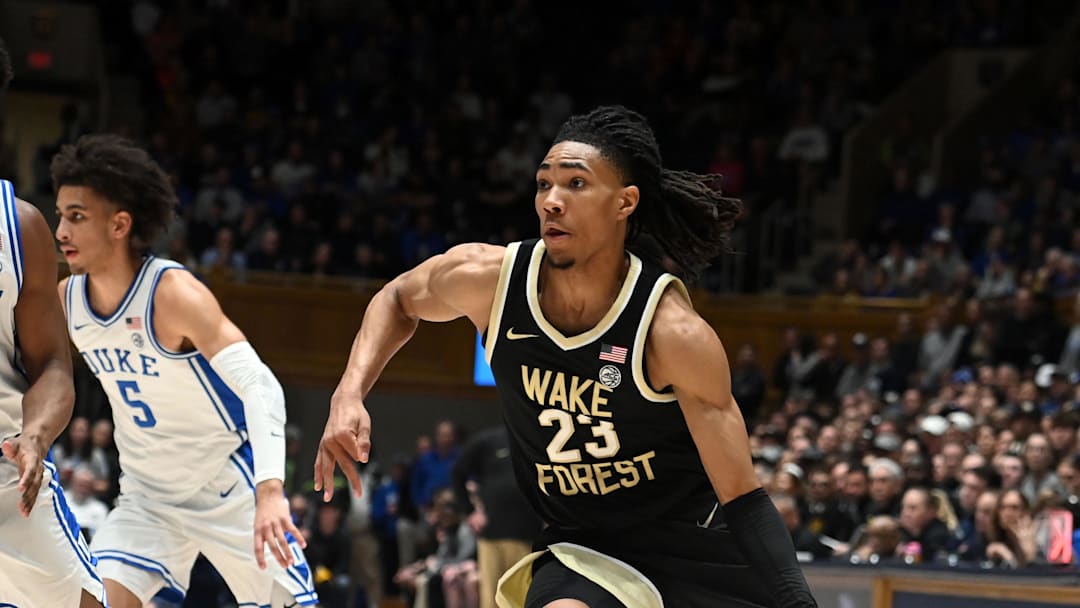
[(188, 317), (455, 284), (46, 355), (683, 351)]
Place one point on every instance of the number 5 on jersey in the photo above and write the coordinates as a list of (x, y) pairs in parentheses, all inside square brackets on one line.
[(128, 388)]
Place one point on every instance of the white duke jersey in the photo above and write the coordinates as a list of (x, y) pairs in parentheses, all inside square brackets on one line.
[(13, 381), (177, 423)]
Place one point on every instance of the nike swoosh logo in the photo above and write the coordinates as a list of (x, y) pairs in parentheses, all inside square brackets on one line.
[(510, 335), (229, 491), (273, 434), (78, 327)]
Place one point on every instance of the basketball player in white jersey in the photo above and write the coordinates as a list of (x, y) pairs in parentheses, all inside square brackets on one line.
[(199, 417), (43, 559)]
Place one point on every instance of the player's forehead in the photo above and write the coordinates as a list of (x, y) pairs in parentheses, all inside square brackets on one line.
[(571, 154), (80, 197)]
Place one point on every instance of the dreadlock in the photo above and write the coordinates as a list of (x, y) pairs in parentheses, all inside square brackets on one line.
[(681, 214), (6, 72)]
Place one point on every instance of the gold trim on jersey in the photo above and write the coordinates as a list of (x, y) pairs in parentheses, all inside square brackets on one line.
[(637, 362), (498, 304), (618, 578), (605, 324)]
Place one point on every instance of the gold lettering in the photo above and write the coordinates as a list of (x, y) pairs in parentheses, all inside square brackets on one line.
[(576, 392), (602, 473), (626, 467), (644, 460), (597, 400), (583, 478), (535, 388), (558, 391), (542, 479), (566, 480)]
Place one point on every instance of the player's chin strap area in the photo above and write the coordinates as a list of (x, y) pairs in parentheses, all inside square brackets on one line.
[(264, 406), (760, 534)]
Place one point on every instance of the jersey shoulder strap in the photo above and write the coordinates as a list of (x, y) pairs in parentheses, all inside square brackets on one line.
[(515, 266)]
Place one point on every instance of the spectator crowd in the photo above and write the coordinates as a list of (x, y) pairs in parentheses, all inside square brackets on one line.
[(357, 139)]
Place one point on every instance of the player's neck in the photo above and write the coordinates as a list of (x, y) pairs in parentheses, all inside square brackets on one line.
[(579, 296), (111, 281)]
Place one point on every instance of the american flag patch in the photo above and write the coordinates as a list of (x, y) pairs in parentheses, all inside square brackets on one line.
[(615, 354), (133, 322)]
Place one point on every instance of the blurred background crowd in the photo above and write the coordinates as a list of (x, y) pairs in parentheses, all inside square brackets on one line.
[(356, 140)]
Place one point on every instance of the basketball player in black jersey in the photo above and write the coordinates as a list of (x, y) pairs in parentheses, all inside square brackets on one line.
[(625, 436)]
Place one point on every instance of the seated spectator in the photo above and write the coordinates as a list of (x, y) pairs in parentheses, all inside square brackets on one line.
[(327, 554), (223, 254), (105, 462), (920, 524), (432, 469), (1069, 474), (747, 382), (452, 568), (973, 547), (1012, 538), (89, 511), (804, 540), (879, 541), (1040, 475), (268, 256), (886, 482), (806, 141), (821, 513), (74, 449), (1069, 361)]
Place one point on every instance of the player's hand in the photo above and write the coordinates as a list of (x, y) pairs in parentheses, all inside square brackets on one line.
[(477, 520), (30, 456), (272, 522), (345, 441)]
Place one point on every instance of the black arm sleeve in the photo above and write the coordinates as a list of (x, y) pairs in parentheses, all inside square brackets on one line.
[(762, 537)]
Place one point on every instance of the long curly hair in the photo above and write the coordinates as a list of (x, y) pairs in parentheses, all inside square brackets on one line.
[(681, 214), (126, 175)]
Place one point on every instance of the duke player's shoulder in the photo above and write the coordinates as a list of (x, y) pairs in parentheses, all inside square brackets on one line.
[(177, 289)]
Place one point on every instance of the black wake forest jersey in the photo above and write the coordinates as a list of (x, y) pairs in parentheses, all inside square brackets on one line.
[(594, 446)]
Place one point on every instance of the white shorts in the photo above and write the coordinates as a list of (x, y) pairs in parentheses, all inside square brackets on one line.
[(44, 560), (149, 547)]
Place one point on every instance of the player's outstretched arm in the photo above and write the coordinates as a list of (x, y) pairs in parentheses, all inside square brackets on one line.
[(46, 355), (455, 284), (186, 315), (684, 352)]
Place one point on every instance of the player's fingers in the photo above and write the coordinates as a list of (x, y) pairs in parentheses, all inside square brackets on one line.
[(363, 440), (283, 531), (29, 485), (291, 528), (348, 467), (279, 546), (327, 474), (260, 548), (318, 468), (347, 442), (10, 449)]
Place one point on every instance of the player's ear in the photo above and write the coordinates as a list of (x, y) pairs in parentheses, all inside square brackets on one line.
[(628, 201), (120, 225)]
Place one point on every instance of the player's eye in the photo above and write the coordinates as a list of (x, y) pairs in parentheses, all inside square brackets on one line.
[(542, 184), (577, 182)]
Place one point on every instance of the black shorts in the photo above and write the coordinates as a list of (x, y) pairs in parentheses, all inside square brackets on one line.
[(552, 580)]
